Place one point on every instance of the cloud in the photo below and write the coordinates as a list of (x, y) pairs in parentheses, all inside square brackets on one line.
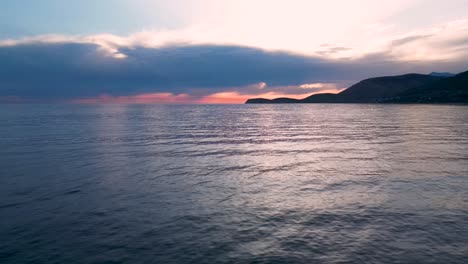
[(316, 85), (232, 97), (150, 98), (107, 68), (66, 70), (261, 85), (236, 97), (409, 39), (447, 41), (368, 38), (330, 50)]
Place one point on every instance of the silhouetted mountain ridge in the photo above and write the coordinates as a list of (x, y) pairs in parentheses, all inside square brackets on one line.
[(448, 90), (442, 74), (408, 88)]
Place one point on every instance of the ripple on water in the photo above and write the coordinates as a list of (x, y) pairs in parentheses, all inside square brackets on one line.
[(233, 184)]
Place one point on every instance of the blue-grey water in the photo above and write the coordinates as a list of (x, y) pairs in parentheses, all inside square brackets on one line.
[(234, 184)]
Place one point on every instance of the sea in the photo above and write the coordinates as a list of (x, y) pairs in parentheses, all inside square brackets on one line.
[(301, 183)]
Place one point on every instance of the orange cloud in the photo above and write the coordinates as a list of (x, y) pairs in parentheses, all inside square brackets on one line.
[(150, 98), (169, 98), (237, 98)]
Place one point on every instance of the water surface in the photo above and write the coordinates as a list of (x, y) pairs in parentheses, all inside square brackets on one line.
[(234, 184)]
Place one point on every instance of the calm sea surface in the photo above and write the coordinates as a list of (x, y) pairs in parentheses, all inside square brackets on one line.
[(234, 184)]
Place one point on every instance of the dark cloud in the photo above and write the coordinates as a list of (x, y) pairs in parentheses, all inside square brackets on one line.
[(63, 71)]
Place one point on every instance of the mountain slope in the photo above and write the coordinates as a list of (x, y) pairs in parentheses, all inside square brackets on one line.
[(373, 90), (273, 101), (442, 74), (448, 90)]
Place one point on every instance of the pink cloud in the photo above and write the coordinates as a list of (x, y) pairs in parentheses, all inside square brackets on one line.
[(169, 98), (237, 98), (149, 98)]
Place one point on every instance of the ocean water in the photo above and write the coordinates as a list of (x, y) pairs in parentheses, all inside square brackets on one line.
[(234, 184)]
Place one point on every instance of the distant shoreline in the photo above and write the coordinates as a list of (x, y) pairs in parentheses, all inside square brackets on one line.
[(401, 89)]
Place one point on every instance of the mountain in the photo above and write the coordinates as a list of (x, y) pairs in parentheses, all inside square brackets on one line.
[(442, 74), (447, 90), (324, 98), (273, 101), (373, 90)]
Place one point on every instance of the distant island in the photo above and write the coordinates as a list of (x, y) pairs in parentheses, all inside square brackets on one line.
[(408, 88)]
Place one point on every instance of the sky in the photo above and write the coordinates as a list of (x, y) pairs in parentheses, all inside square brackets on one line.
[(213, 51)]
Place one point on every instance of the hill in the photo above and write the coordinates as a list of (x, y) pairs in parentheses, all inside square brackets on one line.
[(408, 88), (448, 90), (273, 101)]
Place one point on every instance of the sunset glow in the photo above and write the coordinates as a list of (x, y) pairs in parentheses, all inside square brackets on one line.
[(220, 52), (234, 131), (168, 98)]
